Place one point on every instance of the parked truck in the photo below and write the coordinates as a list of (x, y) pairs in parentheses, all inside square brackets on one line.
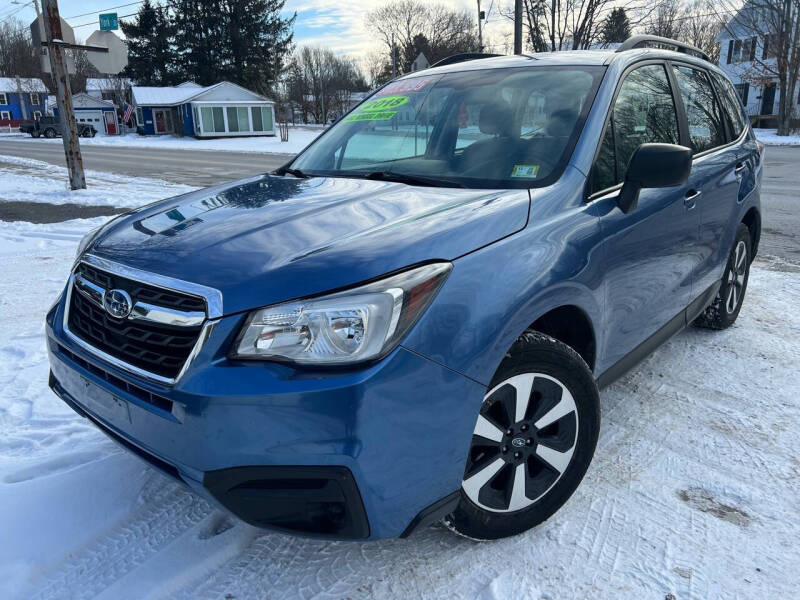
[(51, 127)]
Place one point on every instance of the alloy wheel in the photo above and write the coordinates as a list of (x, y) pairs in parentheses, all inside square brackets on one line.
[(523, 442), (736, 276)]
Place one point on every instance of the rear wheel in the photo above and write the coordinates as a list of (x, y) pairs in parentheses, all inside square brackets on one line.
[(533, 441), (724, 310), (49, 132)]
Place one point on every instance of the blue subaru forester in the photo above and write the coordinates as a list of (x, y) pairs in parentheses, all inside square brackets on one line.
[(410, 321)]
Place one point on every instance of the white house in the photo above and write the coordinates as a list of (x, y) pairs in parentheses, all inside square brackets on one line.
[(420, 63), (220, 110), (745, 51), (107, 88)]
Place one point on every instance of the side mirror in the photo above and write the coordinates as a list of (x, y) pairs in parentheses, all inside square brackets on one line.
[(654, 166)]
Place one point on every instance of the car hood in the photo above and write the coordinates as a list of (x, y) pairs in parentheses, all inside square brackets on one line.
[(268, 239)]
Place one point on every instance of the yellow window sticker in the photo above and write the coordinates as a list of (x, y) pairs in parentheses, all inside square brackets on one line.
[(379, 109), (525, 171)]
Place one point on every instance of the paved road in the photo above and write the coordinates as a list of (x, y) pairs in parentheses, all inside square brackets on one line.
[(194, 167), (780, 194), (780, 200)]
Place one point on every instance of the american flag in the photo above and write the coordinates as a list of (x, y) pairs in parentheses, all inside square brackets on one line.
[(126, 116)]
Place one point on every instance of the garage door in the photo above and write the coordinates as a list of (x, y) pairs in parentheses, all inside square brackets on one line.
[(93, 117)]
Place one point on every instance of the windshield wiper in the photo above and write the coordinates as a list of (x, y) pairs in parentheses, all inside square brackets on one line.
[(413, 179), (290, 171)]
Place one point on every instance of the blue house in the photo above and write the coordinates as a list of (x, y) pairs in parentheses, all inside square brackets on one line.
[(33, 98), (220, 110)]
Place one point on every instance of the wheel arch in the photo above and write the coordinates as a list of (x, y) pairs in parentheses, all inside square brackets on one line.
[(752, 219), (571, 325)]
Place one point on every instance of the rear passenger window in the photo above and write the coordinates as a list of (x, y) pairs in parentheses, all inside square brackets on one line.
[(702, 111), (644, 112), (730, 101)]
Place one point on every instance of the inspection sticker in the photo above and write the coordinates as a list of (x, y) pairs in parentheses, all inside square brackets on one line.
[(377, 109), (525, 171)]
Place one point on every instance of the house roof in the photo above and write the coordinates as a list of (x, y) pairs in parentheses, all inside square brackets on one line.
[(171, 96), (105, 83), (82, 100), (30, 84)]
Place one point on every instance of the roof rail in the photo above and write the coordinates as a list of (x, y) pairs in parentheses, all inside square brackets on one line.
[(464, 57), (643, 41)]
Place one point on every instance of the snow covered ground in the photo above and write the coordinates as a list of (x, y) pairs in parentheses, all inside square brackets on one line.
[(693, 491), (28, 180), (770, 137), (299, 138)]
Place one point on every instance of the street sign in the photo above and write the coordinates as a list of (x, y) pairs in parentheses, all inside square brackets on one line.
[(108, 21), (38, 36), (113, 61)]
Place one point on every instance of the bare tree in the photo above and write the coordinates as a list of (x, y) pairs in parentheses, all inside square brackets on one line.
[(321, 83), (553, 25), (415, 26), (767, 33)]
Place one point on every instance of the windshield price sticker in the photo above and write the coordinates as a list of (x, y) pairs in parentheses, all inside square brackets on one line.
[(378, 109)]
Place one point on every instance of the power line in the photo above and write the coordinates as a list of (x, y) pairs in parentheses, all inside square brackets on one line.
[(94, 12)]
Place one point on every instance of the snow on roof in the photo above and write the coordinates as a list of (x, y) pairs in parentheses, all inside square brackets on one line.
[(105, 83), (189, 84), (170, 96), (29, 84)]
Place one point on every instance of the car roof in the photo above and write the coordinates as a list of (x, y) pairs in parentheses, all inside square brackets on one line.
[(565, 58)]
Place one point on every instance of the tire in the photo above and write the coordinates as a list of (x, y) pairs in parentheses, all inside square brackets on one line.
[(722, 312), (86, 133), (517, 474), (49, 132)]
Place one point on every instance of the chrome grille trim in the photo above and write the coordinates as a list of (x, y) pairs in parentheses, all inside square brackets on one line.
[(160, 315)]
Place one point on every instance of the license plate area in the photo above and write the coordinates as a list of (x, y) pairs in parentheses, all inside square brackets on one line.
[(103, 403)]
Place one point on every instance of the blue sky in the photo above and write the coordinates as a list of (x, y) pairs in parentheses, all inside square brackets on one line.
[(338, 24)]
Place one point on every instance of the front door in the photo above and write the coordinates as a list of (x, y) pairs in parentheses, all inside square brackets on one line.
[(111, 122), (651, 252), (768, 99), (160, 118)]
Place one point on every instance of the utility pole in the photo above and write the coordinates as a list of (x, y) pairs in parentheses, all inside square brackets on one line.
[(517, 26), (394, 60), (480, 28), (69, 130)]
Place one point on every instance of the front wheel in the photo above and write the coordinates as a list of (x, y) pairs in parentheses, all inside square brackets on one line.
[(724, 310), (533, 441), (50, 133)]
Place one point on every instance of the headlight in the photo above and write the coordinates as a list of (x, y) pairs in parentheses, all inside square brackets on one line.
[(360, 324)]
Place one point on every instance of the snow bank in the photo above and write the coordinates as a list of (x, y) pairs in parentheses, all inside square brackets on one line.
[(299, 138), (770, 137), (28, 180)]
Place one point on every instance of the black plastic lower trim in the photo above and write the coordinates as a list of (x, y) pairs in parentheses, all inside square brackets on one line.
[(435, 512), (674, 326), (315, 501)]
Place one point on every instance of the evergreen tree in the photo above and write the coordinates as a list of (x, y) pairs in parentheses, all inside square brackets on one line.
[(616, 27), (150, 51)]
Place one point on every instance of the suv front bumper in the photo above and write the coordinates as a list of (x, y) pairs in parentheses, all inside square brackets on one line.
[(357, 453)]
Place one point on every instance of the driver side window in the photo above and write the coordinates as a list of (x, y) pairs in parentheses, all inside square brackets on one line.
[(643, 112)]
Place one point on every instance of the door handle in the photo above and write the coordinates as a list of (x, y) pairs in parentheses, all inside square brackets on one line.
[(739, 168), (690, 201)]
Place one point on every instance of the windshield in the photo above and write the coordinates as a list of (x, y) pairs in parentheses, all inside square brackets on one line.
[(494, 128)]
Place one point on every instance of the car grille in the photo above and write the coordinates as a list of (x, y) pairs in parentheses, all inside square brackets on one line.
[(154, 347)]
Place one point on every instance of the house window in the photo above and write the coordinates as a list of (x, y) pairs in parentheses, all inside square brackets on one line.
[(4, 98), (233, 120), (219, 119), (771, 46), (139, 116), (37, 114), (35, 99), (743, 89), (5, 115)]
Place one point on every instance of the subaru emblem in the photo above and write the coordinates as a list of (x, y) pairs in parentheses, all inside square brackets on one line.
[(117, 303)]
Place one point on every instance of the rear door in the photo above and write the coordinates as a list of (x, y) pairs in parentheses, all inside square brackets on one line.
[(650, 253), (714, 180)]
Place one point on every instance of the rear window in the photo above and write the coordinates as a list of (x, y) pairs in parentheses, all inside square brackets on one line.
[(731, 104)]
